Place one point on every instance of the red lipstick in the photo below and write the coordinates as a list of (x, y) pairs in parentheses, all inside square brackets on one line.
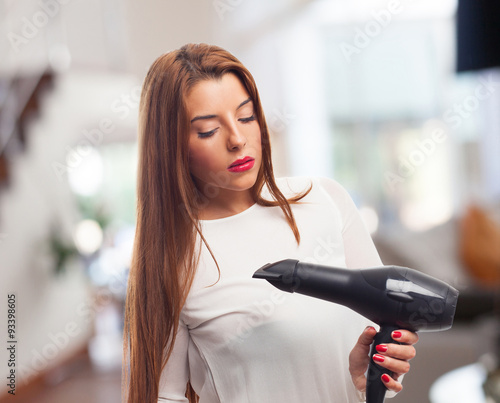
[(241, 164)]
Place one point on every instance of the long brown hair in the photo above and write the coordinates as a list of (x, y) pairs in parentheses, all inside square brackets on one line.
[(164, 254)]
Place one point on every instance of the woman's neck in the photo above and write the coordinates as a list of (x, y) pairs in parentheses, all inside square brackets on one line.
[(226, 204)]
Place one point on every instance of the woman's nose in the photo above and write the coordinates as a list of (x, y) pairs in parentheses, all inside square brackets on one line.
[(236, 139)]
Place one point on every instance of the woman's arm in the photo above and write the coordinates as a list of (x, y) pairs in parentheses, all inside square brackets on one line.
[(359, 249), (175, 375), (360, 252)]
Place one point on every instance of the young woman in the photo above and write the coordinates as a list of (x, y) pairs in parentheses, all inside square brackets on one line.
[(209, 214)]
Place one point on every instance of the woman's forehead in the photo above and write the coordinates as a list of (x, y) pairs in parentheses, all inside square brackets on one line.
[(227, 91)]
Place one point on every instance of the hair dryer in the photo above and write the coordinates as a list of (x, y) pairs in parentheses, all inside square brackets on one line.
[(393, 297)]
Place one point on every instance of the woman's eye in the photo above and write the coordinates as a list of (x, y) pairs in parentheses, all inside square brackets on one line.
[(246, 120), (203, 135)]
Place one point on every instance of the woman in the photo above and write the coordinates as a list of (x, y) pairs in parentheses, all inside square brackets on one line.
[(209, 214)]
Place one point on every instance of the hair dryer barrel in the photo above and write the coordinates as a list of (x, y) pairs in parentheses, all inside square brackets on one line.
[(340, 286), (386, 295)]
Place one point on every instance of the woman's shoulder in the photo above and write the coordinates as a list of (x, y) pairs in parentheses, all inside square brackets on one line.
[(291, 185), (297, 184)]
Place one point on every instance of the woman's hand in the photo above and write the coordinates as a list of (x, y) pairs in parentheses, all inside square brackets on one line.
[(394, 357)]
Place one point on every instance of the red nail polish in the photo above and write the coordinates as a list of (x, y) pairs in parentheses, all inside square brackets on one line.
[(386, 378), (381, 348), (396, 335), (378, 358)]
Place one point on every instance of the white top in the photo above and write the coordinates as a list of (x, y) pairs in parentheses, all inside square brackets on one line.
[(241, 340)]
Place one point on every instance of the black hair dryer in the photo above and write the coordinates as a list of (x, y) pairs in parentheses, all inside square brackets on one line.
[(391, 296)]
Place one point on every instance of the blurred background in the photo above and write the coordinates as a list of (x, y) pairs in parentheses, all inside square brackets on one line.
[(397, 100)]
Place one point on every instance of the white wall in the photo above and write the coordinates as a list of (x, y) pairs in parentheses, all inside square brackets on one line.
[(55, 314), (45, 304)]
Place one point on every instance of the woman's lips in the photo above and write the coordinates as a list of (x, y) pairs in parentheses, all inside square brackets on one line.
[(241, 165)]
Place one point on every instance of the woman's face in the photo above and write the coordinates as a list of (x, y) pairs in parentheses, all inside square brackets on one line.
[(224, 138)]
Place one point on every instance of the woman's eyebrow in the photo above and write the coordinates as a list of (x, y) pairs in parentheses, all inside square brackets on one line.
[(246, 101), (203, 117)]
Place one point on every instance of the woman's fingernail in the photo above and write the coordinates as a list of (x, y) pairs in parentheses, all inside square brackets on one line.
[(381, 348), (378, 358), (396, 335), (386, 378)]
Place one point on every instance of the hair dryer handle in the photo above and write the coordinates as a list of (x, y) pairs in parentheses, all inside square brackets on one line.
[(375, 388)]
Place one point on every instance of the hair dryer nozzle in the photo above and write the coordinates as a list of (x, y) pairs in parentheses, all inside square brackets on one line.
[(280, 274)]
